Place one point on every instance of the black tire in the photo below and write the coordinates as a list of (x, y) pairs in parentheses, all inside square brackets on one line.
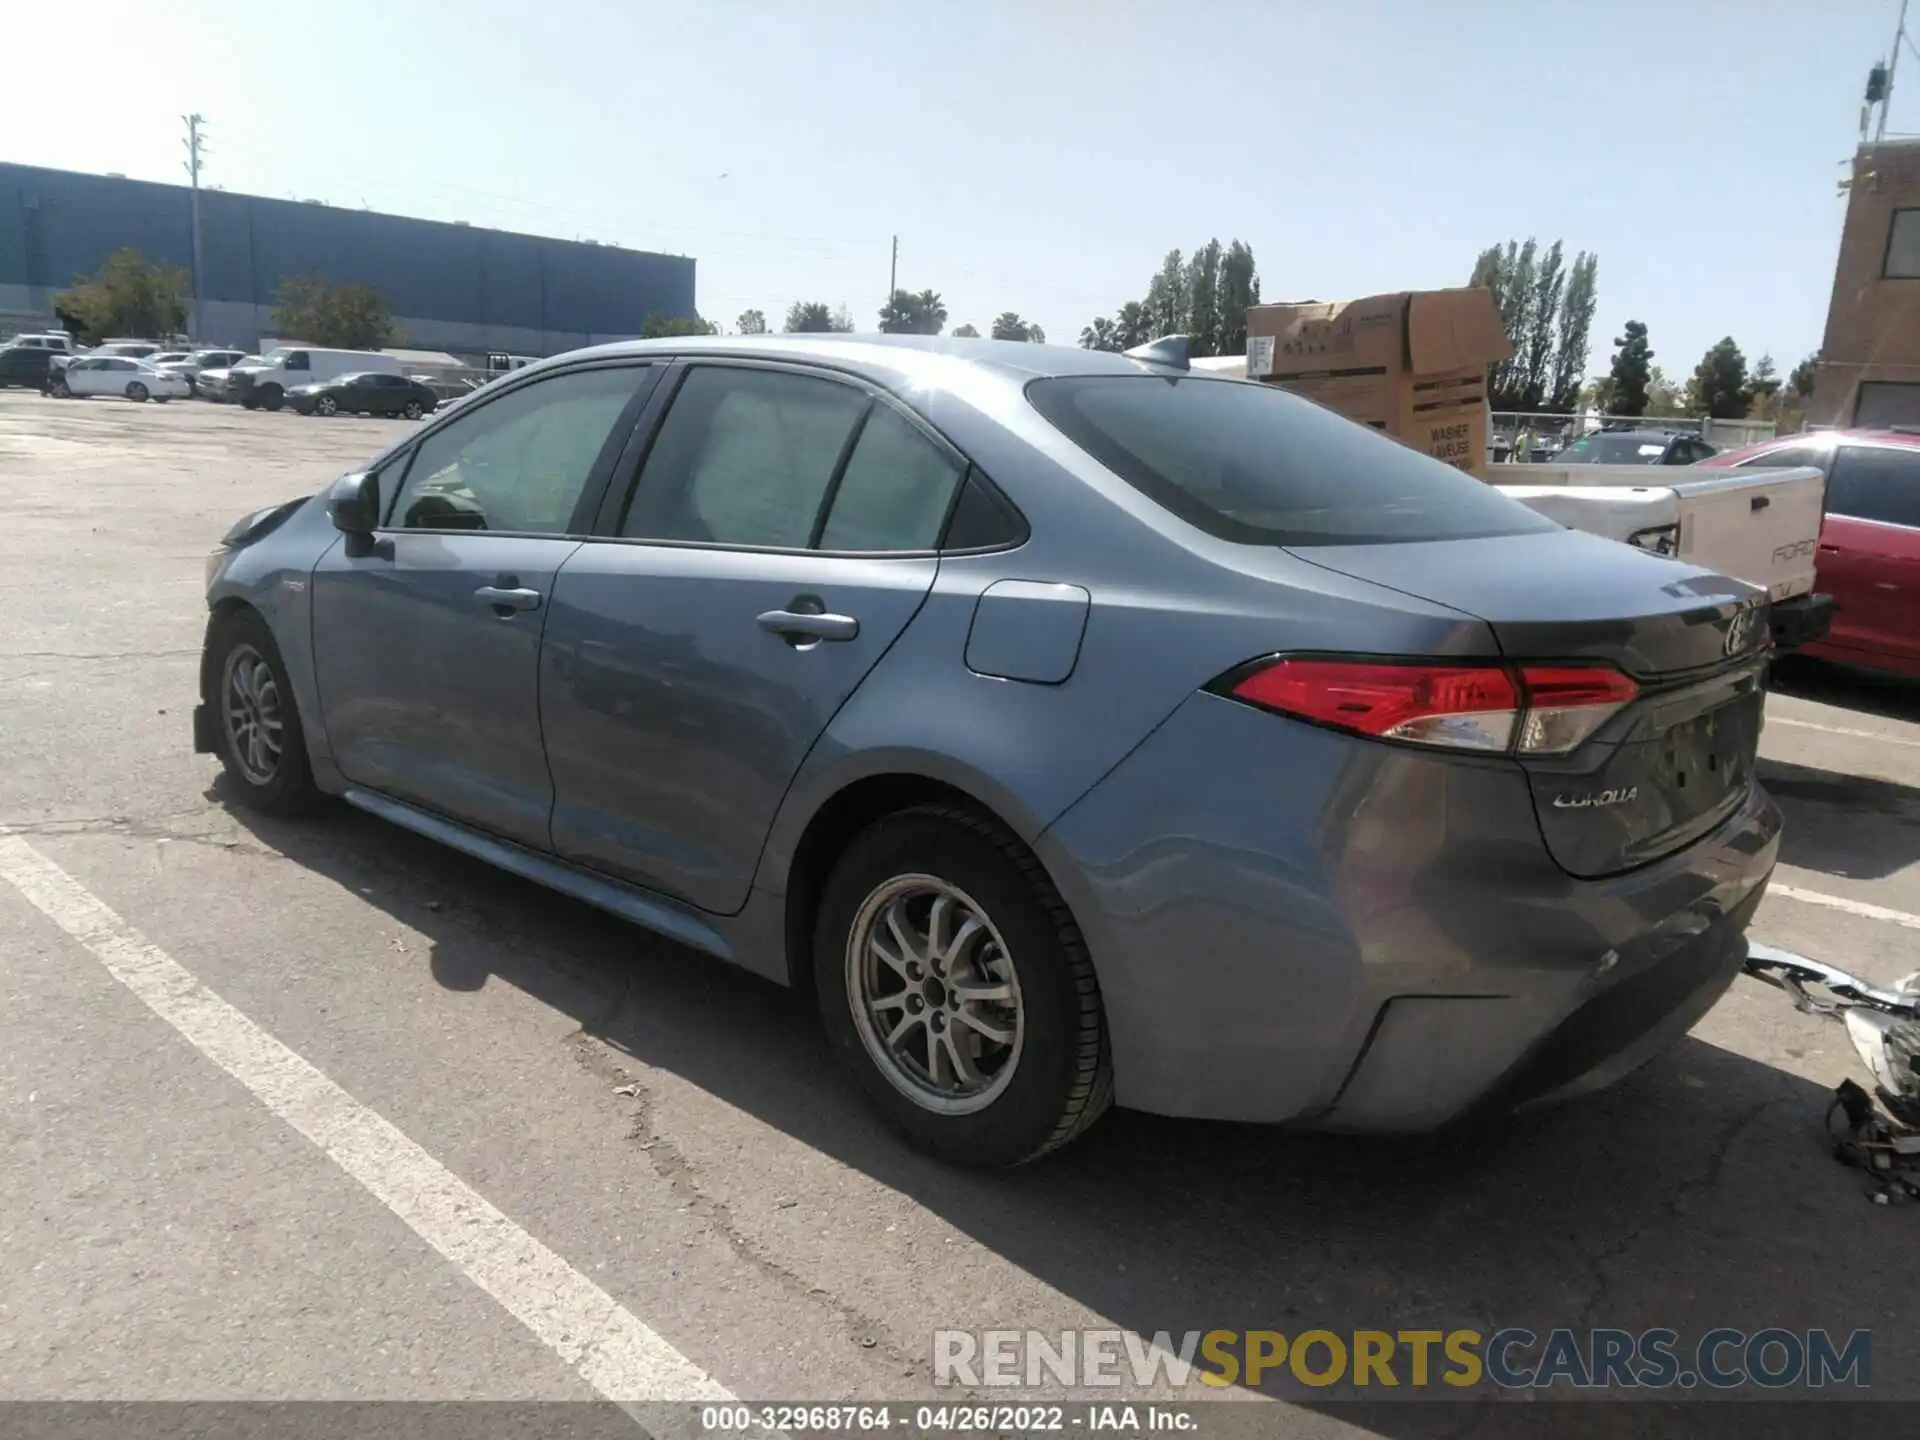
[(413, 410), (59, 390), (326, 405), (289, 789), (272, 397), (137, 392), (249, 403), (1063, 1076)]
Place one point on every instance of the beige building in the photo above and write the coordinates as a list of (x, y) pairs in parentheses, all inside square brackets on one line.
[(1870, 360)]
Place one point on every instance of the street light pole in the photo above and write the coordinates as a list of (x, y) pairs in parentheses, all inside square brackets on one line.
[(1893, 64), (196, 144)]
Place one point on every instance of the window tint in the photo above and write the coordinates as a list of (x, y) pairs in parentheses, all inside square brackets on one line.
[(981, 519), (1782, 459), (1903, 246), (1254, 464), (521, 462), (299, 360), (1872, 483), (744, 457), (895, 492)]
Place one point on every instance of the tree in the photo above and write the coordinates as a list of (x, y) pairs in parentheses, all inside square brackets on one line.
[(1132, 326), (1009, 326), (1239, 293), (910, 314), (345, 317), (965, 332), (1664, 397), (1763, 386), (129, 295), (1099, 335), (1166, 302), (1719, 384), (659, 327), (1800, 382), (808, 317), (1547, 311), (842, 320), (1203, 300), (751, 322), (1631, 373)]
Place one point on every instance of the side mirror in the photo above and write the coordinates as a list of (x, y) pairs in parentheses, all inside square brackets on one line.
[(353, 503)]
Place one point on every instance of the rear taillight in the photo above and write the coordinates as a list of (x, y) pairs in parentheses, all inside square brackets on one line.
[(1525, 709)]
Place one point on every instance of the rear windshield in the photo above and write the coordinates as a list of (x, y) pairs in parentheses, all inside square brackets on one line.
[(1256, 465)]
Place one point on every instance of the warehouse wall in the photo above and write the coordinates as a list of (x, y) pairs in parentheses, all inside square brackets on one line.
[(450, 286)]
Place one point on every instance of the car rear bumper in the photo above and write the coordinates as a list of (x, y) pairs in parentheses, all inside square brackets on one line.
[(1294, 925), (1802, 620)]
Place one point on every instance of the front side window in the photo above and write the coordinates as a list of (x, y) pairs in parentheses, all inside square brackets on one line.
[(298, 360), (520, 463), (1253, 464), (1876, 483), (744, 457), (1903, 246)]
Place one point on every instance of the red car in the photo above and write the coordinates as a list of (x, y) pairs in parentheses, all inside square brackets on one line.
[(1869, 558)]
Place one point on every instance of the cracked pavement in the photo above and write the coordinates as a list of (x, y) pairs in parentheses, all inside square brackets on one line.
[(673, 1128)]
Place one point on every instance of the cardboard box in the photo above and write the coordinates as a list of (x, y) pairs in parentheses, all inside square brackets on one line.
[(1412, 364)]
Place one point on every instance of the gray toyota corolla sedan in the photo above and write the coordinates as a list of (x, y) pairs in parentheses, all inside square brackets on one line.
[(1076, 727)]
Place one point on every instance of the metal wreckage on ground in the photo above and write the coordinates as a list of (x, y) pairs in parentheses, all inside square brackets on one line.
[(1880, 1131)]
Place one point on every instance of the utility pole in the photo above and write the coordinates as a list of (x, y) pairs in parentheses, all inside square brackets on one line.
[(1893, 64), (893, 271), (196, 147)]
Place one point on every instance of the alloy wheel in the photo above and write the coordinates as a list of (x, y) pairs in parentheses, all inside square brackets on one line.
[(934, 994), (251, 709)]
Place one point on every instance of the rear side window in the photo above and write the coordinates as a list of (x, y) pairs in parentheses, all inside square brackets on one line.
[(1874, 483), (1254, 464), (895, 491)]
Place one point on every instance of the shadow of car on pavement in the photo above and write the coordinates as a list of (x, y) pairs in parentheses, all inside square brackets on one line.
[(1698, 1193)]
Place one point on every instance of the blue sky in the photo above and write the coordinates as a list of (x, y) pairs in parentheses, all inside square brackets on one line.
[(1037, 157)]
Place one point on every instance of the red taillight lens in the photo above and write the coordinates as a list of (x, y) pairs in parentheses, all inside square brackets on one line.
[(1536, 710), (1468, 707)]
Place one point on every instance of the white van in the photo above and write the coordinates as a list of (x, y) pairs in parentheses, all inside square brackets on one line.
[(264, 385)]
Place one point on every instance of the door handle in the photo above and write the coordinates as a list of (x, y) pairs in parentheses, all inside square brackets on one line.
[(809, 627), (506, 601)]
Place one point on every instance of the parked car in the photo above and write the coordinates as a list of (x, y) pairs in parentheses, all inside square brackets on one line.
[(1635, 447), (366, 393), (190, 366), (1076, 726), (265, 384), (25, 365), (55, 340), (116, 375), (1869, 547), (214, 382)]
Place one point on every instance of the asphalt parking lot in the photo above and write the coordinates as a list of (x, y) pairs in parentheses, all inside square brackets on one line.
[(672, 1131)]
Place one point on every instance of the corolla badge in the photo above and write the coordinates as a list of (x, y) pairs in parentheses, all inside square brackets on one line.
[(1594, 799)]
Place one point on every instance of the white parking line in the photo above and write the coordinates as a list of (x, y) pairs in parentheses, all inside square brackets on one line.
[(1841, 730), (1852, 907), (610, 1348)]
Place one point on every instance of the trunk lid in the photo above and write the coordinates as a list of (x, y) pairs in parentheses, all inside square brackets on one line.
[(1672, 764)]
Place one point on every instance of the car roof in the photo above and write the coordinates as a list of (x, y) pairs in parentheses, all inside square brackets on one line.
[(932, 360), (1901, 438)]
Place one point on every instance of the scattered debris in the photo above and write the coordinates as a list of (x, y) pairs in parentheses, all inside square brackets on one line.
[(633, 1089), (784, 1202)]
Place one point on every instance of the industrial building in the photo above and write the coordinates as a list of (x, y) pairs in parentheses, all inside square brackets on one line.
[(452, 287), (1869, 372)]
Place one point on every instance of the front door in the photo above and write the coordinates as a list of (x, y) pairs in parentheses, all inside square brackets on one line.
[(780, 537), (427, 649), (1869, 558)]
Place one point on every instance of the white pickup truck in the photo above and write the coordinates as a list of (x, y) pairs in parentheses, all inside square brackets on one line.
[(1760, 526)]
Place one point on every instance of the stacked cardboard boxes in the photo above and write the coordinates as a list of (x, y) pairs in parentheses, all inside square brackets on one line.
[(1412, 364)]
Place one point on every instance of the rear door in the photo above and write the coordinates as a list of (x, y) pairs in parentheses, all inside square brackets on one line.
[(781, 533), (1870, 553), (427, 648)]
